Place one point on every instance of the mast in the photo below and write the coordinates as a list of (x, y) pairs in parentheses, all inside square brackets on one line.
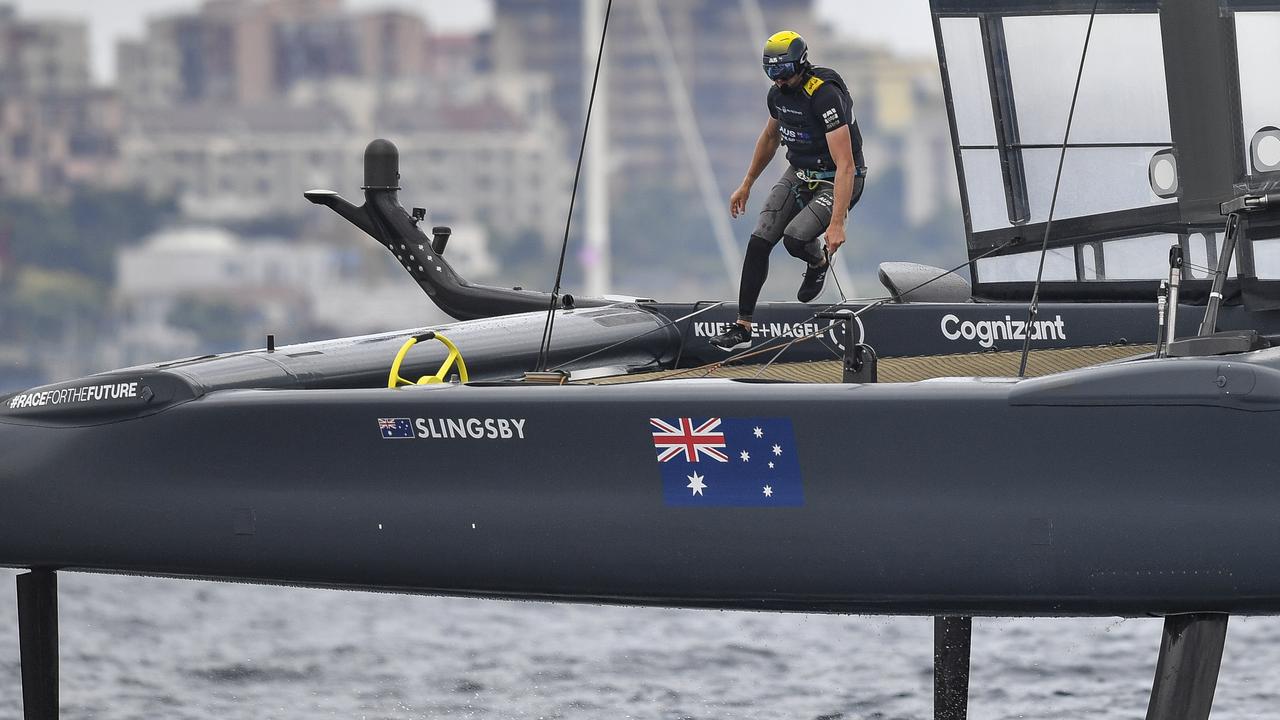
[(596, 261)]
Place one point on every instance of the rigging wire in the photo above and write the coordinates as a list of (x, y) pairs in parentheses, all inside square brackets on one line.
[(544, 349), (1034, 308), (875, 303), (836, 276), (844, 300)]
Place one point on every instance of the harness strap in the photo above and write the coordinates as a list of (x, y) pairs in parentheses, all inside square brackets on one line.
[(818, 177), (800, 199)]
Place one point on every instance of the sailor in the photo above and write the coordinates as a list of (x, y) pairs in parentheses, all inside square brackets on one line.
[(811, 112)]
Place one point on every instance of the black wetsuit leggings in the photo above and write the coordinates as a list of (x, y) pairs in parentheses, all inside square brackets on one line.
[(796, 213)]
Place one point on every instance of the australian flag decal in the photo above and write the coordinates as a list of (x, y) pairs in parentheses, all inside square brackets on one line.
[(728, 462), (395, 428)]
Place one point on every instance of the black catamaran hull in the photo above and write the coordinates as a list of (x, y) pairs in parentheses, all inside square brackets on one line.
[(966, 497)]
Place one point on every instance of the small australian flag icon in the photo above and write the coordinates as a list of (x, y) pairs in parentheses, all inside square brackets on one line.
[(395, 428)]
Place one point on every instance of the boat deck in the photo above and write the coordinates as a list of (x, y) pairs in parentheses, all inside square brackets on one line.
[(907, 369)]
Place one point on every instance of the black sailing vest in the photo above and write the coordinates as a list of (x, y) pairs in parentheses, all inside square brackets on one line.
[(801, 122)]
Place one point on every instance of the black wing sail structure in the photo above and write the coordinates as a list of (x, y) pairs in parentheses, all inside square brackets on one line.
[(1177, 115), (384, 219)]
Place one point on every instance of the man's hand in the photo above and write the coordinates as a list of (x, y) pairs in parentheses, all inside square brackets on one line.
[(738, 200), (835, 238)]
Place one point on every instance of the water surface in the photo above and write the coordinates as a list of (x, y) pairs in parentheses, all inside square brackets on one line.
[(152, 648)]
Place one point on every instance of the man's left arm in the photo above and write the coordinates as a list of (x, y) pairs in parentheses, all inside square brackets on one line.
[(841, 148)]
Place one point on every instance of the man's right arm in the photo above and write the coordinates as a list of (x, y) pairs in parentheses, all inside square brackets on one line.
[(766, 148)]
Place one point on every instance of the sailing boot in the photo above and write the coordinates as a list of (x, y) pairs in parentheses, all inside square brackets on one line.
[(736, 337), (814, 279)]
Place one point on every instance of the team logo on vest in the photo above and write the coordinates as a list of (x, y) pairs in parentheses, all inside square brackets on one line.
[(987, 332), (791, 135)]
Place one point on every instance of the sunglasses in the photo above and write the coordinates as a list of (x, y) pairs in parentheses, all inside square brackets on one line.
[(780, 71)]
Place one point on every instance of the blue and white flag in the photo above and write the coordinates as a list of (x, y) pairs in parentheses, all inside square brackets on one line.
[(727, 462)]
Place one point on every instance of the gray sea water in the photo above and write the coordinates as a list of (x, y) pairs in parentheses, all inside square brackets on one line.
[(153, 648)]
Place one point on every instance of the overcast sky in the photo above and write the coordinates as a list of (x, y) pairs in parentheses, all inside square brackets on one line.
[(903, 24)]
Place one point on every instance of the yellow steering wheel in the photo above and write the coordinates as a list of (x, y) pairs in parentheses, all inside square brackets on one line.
[(394, 380)]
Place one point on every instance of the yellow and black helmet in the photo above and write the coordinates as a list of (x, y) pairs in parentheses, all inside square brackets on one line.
[(785, 55)]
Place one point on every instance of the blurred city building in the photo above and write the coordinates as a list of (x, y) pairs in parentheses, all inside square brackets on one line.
[(285, 92), (42, 57), (300, 86), (718, 61), (178, 281), (55, 128), (251, 51), (466, 159), (53, 141)]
